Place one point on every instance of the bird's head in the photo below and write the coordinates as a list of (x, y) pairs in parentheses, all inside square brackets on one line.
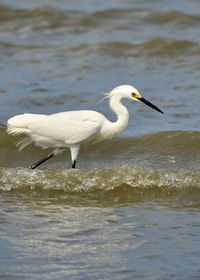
[(129, 92)]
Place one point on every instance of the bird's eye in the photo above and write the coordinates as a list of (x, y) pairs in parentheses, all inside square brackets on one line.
[(133, 94)]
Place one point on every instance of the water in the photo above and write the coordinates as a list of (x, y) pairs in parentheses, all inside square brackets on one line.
[(131, 209)]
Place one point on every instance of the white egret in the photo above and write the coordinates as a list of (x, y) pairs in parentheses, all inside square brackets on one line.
[(73, 128)]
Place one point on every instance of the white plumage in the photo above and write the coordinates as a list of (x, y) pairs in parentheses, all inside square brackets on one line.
[(71, 129)]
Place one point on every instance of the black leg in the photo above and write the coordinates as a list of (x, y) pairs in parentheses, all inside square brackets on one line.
[(74, 164), (33, 166)]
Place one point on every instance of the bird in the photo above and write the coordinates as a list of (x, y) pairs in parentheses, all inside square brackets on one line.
[(71, 129)]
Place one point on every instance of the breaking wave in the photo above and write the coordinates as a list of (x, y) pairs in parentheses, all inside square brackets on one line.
[(133, 178), (155, 166)]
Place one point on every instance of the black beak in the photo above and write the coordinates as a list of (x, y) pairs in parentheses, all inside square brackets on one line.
[(150, 104)]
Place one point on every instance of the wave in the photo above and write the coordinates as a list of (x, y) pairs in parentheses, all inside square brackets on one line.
[(47, 19), (158, 47), (173, 17), (153, 47), (119, 186), (15, 14), (94, 19), (37, 19), (127, 176), (162, 166), (160, 150), (174, 139)]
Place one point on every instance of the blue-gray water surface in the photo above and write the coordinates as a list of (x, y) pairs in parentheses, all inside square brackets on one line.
[(131, 209)]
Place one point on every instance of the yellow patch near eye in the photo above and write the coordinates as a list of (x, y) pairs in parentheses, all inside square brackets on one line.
[(136, 95)]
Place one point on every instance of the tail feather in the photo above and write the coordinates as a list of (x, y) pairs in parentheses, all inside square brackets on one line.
[(19, 124), (24, 142), (17, 130)]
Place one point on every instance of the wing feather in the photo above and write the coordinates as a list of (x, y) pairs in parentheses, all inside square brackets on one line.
[(70, 128)]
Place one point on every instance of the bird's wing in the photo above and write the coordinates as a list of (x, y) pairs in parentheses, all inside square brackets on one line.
[(68, 129)]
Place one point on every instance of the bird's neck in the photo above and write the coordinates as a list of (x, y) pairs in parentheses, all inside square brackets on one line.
[(121, 112)]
